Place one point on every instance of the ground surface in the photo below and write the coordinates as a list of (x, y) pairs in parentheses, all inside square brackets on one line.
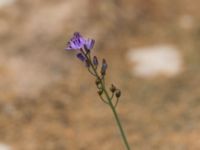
[(48, 100)]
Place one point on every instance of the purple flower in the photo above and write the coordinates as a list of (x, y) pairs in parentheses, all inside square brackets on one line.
[(77, 42)]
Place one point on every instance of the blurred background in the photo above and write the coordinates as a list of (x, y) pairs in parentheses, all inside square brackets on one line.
[(48, 100)]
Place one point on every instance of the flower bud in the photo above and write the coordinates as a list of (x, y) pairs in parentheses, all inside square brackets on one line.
[(113, 88), (118, 93), (95, 61), (87, 63), (104, 67), (81, 57), (100, 92)]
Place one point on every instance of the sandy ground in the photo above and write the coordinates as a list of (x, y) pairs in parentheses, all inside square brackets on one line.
[(48, 100)]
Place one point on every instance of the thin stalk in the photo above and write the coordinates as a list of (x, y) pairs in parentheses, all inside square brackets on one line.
[(109, 101), (117, 120)]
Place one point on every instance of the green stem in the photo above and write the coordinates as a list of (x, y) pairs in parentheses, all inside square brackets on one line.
[(120, 128), (117, 120), (123, 136)]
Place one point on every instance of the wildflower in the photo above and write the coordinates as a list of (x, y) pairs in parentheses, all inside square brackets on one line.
[(78, 42), (83, 46)]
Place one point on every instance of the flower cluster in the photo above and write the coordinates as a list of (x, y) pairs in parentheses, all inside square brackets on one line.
[(84, 46), (77, 42)]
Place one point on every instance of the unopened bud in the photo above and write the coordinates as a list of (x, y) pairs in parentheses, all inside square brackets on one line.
[(104, 67), (113, 88), (81, 57), (87, 62), (100, 92), (95, 61), (118, 93)]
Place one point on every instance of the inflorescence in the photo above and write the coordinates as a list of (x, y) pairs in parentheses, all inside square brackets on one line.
[(84, 46)]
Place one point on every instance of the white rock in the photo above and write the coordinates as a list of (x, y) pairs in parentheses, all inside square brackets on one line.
[(155, 60), (4, 147), (6, 2)]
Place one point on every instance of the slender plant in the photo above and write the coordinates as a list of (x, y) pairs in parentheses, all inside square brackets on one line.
[(110, 97)]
